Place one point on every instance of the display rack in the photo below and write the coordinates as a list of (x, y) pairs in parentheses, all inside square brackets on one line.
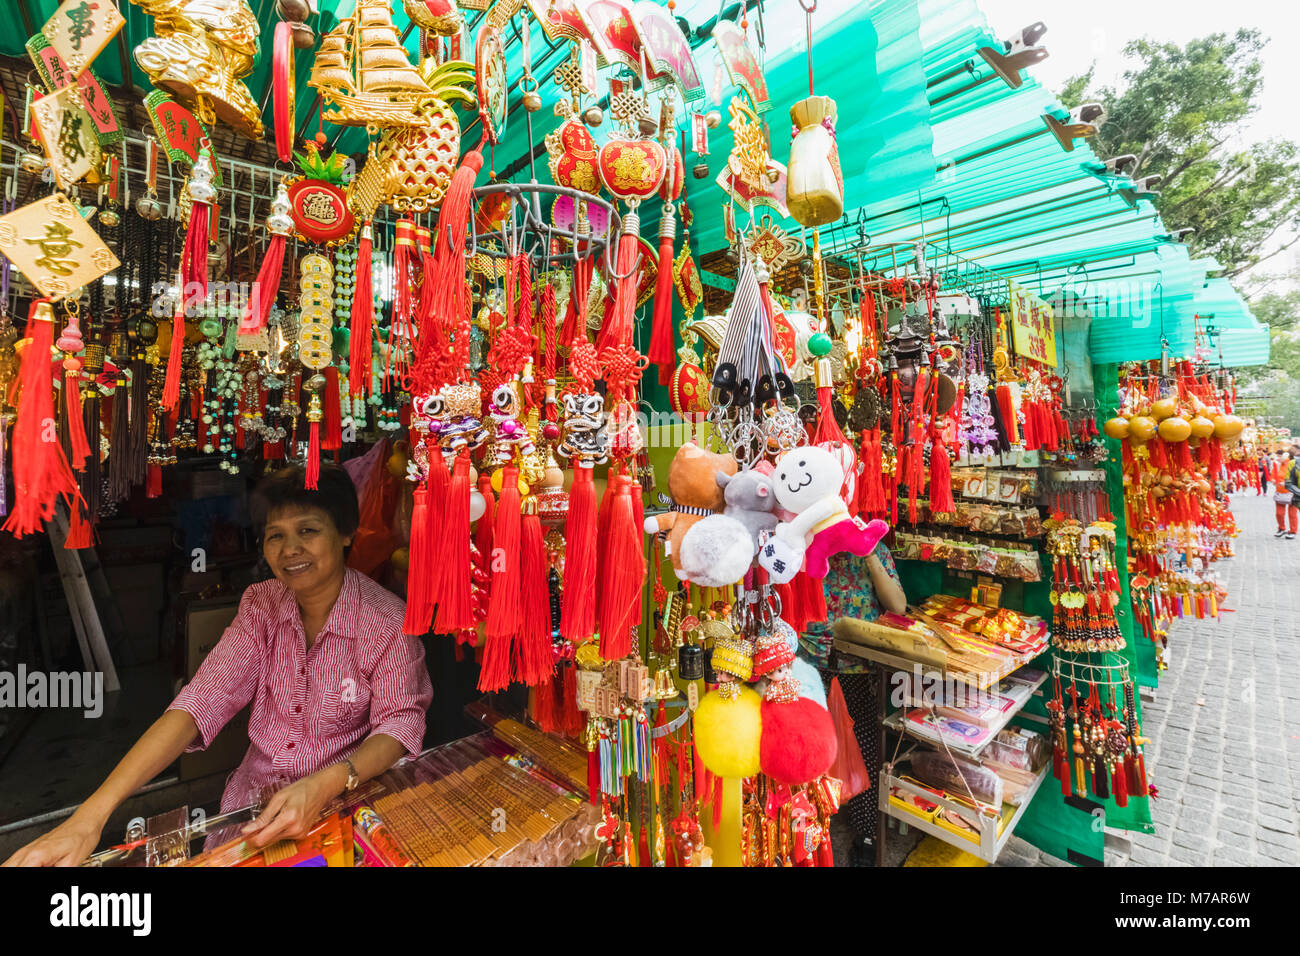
[(896, 723), (994, 831)]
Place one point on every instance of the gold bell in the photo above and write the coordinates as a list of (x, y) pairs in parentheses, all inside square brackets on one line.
[(532, 101), (701, 170), (593, 116)]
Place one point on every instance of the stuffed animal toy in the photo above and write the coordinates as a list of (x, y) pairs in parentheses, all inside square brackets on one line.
[(807, 482), (750, 500), (706, 547)]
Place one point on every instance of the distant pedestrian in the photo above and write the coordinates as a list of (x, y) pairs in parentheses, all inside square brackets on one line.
[(1261, 467), (1281, 471), (1291, 485)]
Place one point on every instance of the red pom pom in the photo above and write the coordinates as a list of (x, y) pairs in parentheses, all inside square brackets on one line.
[(798, 741)]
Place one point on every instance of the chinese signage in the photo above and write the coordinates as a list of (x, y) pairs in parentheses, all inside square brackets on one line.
[(79, 29), (54, 247), (1033, 327)]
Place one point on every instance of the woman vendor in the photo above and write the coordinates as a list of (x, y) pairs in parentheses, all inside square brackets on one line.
[(338, 692)]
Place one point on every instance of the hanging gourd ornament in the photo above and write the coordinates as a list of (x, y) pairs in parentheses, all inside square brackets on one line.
[(814, 184)]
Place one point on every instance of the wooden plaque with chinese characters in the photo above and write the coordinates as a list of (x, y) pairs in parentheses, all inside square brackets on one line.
[(54, 247)]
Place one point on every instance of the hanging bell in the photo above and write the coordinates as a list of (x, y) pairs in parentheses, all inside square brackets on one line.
[(593, 116), (648, 125), (700, 170), (109, 217), (712, 119), (532, 101), (33, 162), (304, 37), (690, 662), (149, 207)]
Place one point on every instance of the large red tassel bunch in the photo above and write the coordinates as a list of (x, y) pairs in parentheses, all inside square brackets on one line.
[(448, 302), (41, 471), (623, 564), (578, 611), (505, 604), (452, 591), (419, 602), (536, 663)]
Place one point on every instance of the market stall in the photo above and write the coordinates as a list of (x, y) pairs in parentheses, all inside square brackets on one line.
[(645, 404)]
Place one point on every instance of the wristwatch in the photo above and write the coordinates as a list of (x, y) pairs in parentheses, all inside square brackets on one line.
[(353, 779)]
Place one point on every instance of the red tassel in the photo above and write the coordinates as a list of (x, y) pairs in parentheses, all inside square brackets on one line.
[(363, 317), (483, 535), (153, 482), (81, 534), (194, 255), (661, 337), (452, 592), (505, 609), (625, 558), (619, 322), (76, 422), (333, 438), (536, 660), (1007, 405), (448, 302), (578, 613), (1118, 785), (1183, 456), (265, 288), (1158, 453), (172, 383), (940, 478), (568, 703), (313, 458), (543, 707), (419, 568), (41, 471)]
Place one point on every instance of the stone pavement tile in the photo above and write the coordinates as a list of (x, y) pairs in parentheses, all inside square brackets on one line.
[(1229, 766)]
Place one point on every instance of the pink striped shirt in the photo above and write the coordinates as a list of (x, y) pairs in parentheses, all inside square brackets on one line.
[(362, 676)]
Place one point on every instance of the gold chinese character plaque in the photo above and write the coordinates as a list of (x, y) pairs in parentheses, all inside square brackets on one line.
[(79, 29), (68, 135), (54, 247)]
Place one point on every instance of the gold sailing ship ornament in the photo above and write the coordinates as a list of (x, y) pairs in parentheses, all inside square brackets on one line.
[(201, 52), (361, 70)]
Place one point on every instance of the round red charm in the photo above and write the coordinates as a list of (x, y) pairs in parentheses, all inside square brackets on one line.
[(320, 211), (632, 168)]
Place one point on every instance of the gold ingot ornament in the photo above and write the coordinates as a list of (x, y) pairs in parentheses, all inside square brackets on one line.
[(201, 52)]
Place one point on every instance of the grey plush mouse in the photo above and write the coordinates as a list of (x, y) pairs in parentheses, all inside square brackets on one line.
[(749, 499)]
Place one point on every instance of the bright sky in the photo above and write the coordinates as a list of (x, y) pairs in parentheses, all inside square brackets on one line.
[(1081, 33)]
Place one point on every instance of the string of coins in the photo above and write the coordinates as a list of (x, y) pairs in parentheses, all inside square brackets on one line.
[(315, 335)]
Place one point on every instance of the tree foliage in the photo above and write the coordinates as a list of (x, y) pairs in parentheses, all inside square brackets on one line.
[(1180, 111), (1273, 391)]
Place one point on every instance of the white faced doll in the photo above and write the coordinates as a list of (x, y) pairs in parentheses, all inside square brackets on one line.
[(807, 482)]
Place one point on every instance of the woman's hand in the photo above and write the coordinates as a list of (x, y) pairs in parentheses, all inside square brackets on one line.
[(68, 844), (293, 811)]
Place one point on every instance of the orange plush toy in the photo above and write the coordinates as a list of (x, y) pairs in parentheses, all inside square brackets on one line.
[(717, 545)]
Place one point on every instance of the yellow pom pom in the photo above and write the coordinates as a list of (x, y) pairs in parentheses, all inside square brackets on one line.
[(727, 733)]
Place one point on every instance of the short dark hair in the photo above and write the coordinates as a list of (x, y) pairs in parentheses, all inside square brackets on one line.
[(335, 494)]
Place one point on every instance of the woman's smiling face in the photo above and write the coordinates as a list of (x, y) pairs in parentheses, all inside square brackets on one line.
[(303, 547)]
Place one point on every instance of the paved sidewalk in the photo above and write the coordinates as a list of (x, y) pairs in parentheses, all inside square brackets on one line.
[(1225, 723)]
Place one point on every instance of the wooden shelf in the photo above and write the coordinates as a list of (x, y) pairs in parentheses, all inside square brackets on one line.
[(990, 842)]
